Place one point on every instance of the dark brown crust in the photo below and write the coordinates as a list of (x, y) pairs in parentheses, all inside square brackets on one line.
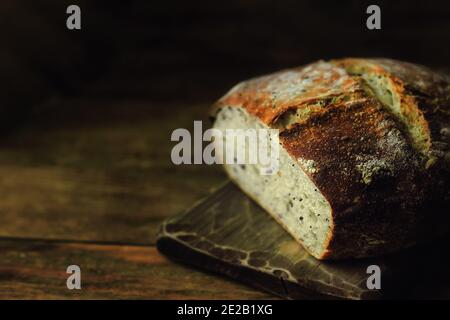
[(431, 94), (421, 89), (366, 168), (364, 163)]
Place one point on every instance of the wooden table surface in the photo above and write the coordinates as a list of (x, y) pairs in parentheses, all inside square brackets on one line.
[(88, 182)]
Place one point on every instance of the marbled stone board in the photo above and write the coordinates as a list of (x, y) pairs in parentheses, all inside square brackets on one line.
[(229, 234)]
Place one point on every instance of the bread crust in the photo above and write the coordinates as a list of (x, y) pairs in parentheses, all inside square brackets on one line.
[(379, 186)]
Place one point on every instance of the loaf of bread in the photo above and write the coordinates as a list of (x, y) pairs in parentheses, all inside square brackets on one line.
[(364, 157)]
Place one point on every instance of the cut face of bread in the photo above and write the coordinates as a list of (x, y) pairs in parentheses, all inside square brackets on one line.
[(288, 195)]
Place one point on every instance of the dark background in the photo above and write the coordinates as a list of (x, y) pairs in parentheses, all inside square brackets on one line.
[(86, 118), (178, 50)]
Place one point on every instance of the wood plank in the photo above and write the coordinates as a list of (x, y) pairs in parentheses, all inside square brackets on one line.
[(37, 270), (98, 170), (230, 234)]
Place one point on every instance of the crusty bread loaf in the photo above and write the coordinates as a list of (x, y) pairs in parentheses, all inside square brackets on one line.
[(364, 162)]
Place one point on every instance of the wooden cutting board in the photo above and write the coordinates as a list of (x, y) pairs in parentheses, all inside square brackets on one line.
[(229, 234)]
